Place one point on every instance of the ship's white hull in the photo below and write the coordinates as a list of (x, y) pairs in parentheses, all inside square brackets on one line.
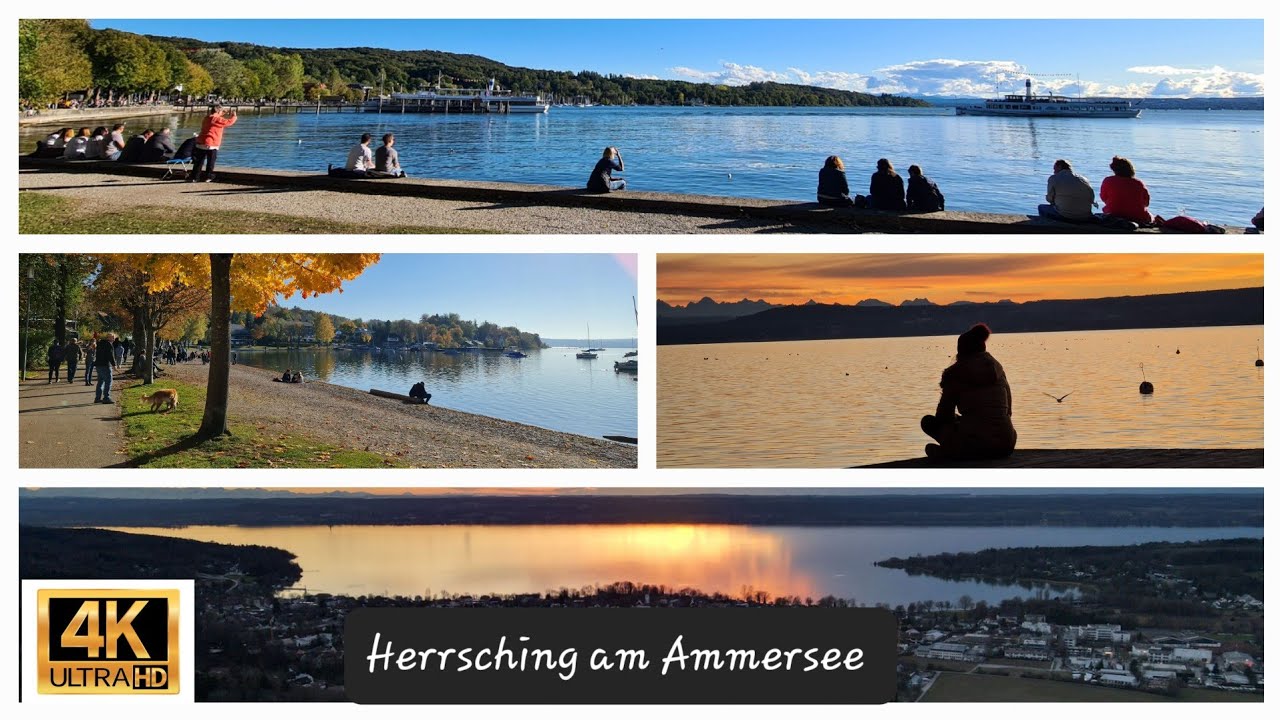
[(1120, 113)]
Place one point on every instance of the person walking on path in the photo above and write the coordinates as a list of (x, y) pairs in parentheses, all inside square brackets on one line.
[(71, 354), (89, 351), (55, 362), (105, 360), (208, 140), (117, 349)]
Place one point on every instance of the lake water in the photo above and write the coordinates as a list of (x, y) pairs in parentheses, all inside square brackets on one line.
[(808, 562), (1207, 164), (550, 388), (839, 403)]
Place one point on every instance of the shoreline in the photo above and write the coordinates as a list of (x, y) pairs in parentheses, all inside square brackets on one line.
[(420, 435), (559, 209)]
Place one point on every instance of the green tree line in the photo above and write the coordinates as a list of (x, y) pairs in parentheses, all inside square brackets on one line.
[(288, 326), (57, 57)]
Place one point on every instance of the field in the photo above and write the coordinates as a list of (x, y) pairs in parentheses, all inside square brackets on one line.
[(954, 687)]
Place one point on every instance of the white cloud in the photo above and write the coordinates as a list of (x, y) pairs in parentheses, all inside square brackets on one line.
[(983, 78), (641, 77), (731, 74)]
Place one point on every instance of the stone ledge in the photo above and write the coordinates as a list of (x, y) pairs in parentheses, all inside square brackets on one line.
[(515, 194)]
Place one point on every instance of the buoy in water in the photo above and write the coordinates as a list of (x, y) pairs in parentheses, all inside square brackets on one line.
[(1257, 363), (1146, 388), (1178, 351)]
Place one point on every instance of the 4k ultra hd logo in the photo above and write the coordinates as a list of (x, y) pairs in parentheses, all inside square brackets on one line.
[(107, 641)]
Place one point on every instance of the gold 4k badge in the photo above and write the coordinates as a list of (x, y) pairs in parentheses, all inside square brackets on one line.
[(96, 642)]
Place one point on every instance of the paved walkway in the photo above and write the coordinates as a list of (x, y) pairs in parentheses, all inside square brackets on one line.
[(59, 426)]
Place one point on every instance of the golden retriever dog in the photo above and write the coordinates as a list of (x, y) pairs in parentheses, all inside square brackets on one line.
[(161, 397)]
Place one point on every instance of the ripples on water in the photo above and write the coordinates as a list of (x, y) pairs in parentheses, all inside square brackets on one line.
[(1207, 164), (791, 404), (550, 388), (803, 561)]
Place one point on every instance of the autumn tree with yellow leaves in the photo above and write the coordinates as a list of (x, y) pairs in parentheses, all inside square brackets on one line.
[(248, 281)]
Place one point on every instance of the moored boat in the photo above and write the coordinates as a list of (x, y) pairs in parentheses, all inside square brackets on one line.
[(1030, 105)]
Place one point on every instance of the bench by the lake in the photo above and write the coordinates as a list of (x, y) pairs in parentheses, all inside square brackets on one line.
[(807, 214), (1102, 458)]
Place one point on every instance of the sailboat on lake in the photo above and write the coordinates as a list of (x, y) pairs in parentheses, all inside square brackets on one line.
[(588, 354)]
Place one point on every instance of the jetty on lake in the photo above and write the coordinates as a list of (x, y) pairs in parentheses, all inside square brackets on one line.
[(1101, 458)]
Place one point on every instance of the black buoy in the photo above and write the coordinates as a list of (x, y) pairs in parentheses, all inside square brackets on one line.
[(1257, 363), (1146, 388), (1178, 351)]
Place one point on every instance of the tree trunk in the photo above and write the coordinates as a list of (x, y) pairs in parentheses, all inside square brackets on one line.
[(139, 344), (215, 403), (149, 369), (60, 321)]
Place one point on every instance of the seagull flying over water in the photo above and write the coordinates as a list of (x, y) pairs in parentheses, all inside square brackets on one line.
[(1059, 399)]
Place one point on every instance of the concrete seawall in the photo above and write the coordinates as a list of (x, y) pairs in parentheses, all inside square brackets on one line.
[(821, 219)]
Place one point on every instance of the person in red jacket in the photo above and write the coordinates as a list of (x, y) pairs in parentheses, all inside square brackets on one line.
[(1124, 195), (208, 140)]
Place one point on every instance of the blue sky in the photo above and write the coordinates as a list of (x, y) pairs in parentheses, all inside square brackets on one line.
[(929, 57), (555, 295)]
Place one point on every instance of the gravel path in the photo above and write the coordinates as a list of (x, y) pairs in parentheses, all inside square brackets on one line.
[(422, 436), (379, 211)]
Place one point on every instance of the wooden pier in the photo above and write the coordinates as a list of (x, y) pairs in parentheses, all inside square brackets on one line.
[(1101, 458)]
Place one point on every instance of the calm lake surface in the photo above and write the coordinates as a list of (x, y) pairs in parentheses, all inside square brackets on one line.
[(550, 388), (1207, 164), (839, 403), (813, 562)]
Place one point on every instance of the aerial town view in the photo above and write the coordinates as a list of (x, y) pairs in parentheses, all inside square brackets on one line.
[(722, 126), (1050, 595)]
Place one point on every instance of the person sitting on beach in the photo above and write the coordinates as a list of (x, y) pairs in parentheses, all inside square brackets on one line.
[(159, 148), (296, 377), (386, 159), (976, 385), (419, 392), (1124, 195), (132, 151), (601, 180), (833, 186), (1069, 196), (1257, 220), (286, 377), (360, 158), (923, 194), (77, 145), (115, 143), (887, 192)]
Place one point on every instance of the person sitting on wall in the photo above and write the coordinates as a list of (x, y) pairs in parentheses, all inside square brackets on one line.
[(923, 194), (386, 160), (833, 185), (974, 385), (159, 148), (886, 188), (1070, 196), (602, 180), (132, 151), (1124, 195)]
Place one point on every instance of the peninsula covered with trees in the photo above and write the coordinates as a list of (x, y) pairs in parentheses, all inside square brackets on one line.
[(60, 57)]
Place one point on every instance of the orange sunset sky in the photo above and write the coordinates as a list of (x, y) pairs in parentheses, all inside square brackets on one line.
[(945, 278)]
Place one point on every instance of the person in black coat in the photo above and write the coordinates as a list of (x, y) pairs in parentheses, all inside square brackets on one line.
[(923, 194), (833, 186), (132, 151), (887, 192), (159, 148)]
